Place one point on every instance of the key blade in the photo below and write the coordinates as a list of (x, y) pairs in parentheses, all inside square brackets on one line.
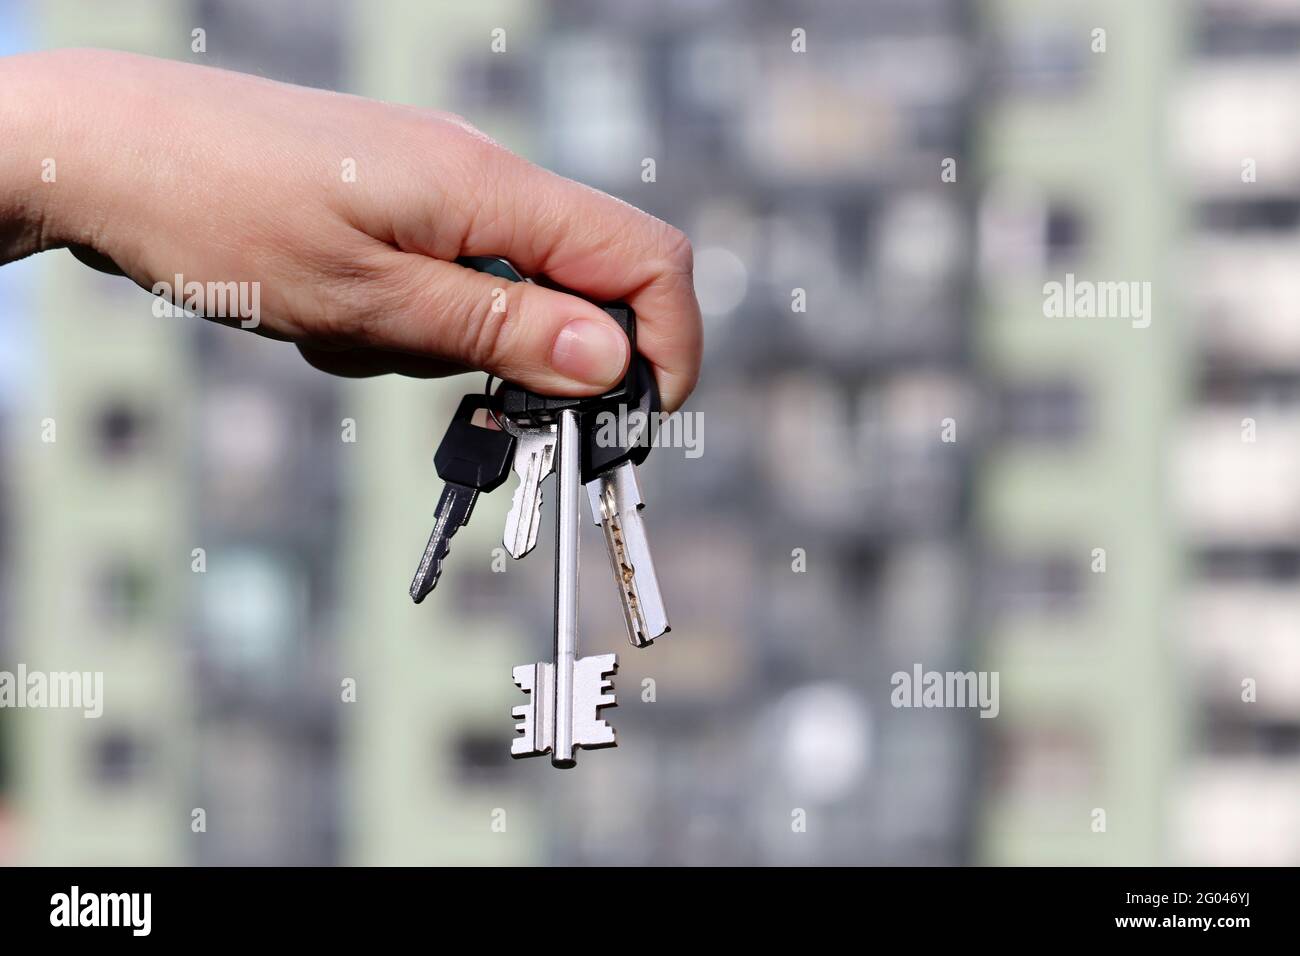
[(568, 525), (616, 505), (452, 514), (534, 461), (593, 691), (536, 720)]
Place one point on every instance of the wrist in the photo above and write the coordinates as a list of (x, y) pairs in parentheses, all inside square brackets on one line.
[(45, 119), (28, 142)]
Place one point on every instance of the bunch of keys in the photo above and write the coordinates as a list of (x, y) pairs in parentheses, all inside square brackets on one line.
[(539, 435)]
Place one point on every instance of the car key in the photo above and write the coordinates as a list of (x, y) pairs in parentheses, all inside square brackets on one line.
[(470, 459)]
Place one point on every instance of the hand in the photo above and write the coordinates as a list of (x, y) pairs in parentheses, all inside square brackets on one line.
[(166, 168)]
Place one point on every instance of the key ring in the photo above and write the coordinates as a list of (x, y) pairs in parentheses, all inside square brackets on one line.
[(487, 390), (508, 426)]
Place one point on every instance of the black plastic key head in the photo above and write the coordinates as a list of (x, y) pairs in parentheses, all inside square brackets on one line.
[(634, 399), (622, 431), (523, 405), (472, 455)]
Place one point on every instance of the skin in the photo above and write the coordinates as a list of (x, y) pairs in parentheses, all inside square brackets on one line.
[(166, 168)]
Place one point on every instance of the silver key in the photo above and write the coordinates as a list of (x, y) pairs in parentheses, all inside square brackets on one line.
[(567, 695), (470, 459), (453, 513), (616, 505), (537, 718), (534, 461)]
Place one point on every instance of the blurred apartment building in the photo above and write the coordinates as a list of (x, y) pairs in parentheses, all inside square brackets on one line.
[(1121, 690), (1079, 552), (1236, 468), (95, 469), (772, 692), (192, 532), (12, 305), (1172, 447), (799, 176)]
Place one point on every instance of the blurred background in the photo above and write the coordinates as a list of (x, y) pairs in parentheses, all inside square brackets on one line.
[(1121, 679)]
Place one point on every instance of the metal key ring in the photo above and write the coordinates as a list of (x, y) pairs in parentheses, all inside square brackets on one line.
[(487, 390), (509, 426)]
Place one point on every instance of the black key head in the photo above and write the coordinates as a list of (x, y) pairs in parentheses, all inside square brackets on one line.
[(525, 406), (521, 404), (472, 455), (633, 422)]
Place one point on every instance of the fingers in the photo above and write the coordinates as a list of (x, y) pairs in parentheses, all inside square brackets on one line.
[(605, 249), (96, 260), (579, 237), (537, 337)]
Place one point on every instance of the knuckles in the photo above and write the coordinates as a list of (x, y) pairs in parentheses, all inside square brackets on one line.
[(354, 301), (487, 335), (679, 255)]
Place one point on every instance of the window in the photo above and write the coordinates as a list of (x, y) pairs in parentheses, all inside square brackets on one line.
[(1036, 583), (1024, 232), (122, 430), (1042, 60), (1062, 232), (299, 41), (118, 759), (479, 755), (1256, 216), (1247, 28), (122, 594), (1055, 760), (1046, 412)]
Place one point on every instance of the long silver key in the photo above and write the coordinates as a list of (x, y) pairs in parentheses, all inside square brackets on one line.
[(534, 461), (567, 695), (616, 504)]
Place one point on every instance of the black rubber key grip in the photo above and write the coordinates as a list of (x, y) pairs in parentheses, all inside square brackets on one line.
[(597, 456), (473, 455), (519, 403)]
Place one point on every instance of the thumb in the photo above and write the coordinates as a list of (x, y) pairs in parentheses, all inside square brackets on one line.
[(540, 338)]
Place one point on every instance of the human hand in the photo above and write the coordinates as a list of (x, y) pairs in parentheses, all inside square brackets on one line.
[(167, 168)]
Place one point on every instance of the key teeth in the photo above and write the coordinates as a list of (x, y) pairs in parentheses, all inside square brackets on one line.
[(593, 689), (430, 568), (533, 732), (455, 507), (617, 505), (521, 530), (513, 547), (593, 489), (592, 677)]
